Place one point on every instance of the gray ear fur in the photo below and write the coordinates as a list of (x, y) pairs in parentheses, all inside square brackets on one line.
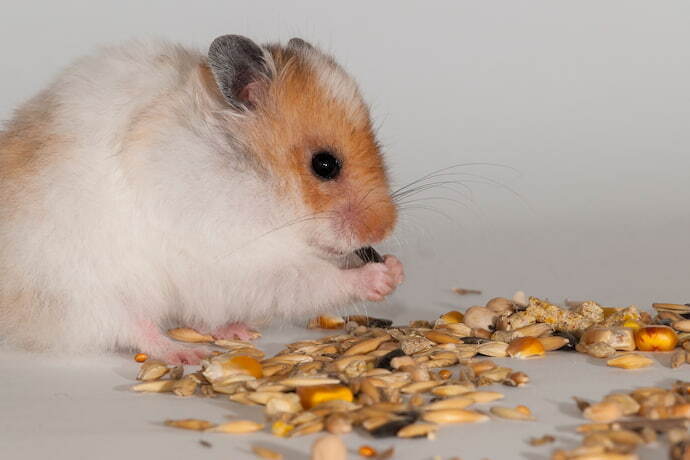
[(236, 62), (299, 43)]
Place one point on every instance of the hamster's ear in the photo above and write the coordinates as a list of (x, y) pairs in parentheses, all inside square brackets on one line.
[(298, 43), (239, 69)]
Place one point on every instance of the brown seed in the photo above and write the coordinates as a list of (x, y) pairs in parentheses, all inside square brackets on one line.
[(238, 427), (329, 447), (520, 378), (186, 386), (627, 403), (445, 374), (454, 416), (417, 430), (458, 402), (511, 413), (419, 387), (553, 343), (326, 322), (186, 334), (493, 349), (451, 390), (525, 347), (630, 361), (501, 305), (534, 330), (338, 423), (483, 396), (267, 454), (605, 412), (141, 357), (678, 358), (366, 346), (367, 451), (480, 318), (152, 369), (156, 386), (440, 337), (190, 424), (546, 439)]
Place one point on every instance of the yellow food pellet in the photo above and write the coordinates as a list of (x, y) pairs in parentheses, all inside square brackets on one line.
[(445, 374), (141, 357), (282, 429), (310, 396), (367, 451)]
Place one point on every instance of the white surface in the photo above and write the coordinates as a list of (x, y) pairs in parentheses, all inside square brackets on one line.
[(587, 100), (82, 409)]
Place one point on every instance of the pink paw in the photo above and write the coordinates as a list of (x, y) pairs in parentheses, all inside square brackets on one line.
[(236, 331), (376, 281), (183, 355)]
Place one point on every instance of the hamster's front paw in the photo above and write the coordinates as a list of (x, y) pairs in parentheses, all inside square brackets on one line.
[(376, 280), (185, 355), (236, 331)]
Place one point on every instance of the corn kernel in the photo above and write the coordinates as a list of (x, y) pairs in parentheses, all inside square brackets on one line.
[(445, 374), (310, 396), (367, 451), (452, 317), (525, 347), (655, 338), (282, 429), (246, 365), (632, 324), (141, 357)]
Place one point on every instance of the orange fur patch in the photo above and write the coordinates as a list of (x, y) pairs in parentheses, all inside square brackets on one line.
[(297, 117)]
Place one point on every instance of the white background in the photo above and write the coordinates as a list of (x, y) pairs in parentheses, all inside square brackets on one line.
[(578, 111)]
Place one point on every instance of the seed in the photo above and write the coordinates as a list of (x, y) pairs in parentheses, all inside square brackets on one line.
[(308, 381), (493, 349), (156, 386), (628, 405), (308, 428), (682, 325), (678, 358), (190, 424), (454, 416), (597, 350), (238, 427), (501, 305), (369, 321), (186, 386), (417, 430), (268, 454), (419, 387), (520, 298), (141, 357), (366, 346), (228, 365), (312, 395), (445, 374), (400, 361), (656, 338), (520, 378), (553, 343), (338, 423), (510, 413), (630, 361), (461, 291), (480, 318), (483, 396), (452, 317), (603, 412), (458, 402), (546, 439), (281, 429), (186, 334), (440, 337), (451, 390), (367, 451), (152, 370), (525, 347), (326, 322), (329, 447), (284, 403), (534, 330)]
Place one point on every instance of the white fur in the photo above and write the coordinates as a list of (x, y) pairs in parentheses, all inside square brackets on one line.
[(147, 212)]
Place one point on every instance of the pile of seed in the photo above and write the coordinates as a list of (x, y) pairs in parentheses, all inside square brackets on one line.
[(622, 422), (407, 381)]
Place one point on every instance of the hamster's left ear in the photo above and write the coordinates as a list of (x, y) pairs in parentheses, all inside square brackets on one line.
[(239, 69)]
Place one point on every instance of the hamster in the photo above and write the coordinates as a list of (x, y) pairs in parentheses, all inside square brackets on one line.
[(151, 184)]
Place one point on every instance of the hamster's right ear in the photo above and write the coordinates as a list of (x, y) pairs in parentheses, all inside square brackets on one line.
[(239, 69)]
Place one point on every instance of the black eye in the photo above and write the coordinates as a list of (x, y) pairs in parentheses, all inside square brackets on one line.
[(325, 165)]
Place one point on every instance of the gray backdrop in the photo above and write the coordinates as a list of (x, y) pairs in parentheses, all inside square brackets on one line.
[(577, 111)]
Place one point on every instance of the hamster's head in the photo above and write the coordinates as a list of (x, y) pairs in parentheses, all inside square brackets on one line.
[(301, 120)]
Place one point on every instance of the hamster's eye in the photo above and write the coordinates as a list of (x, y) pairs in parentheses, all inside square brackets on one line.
[(325, 165)]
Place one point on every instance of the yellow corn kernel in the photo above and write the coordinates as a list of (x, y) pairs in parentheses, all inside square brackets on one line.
[(656, 338), (452, 317), (246, 365), (632, 324), (282, 429), (310, 396), (525, 347)]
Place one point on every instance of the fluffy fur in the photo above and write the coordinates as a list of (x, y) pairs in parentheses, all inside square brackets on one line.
[(132, 193)]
